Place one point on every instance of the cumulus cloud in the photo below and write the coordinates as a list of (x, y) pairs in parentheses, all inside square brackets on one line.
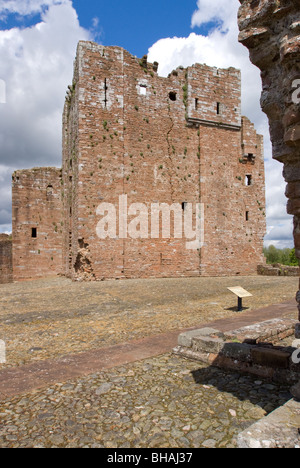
[(27, 7), (36, 67), (221, 48)]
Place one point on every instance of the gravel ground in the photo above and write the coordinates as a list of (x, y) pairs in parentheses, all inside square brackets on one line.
[(54, 317)]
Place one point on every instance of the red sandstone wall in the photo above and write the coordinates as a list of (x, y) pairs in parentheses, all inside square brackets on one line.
[(6, 274), (159, 147), (37, 206)]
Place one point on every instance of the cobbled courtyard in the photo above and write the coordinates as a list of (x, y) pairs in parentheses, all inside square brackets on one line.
[(157, 401)]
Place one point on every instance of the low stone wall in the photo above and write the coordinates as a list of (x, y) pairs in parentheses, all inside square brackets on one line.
[(6, 268), (254, 349), (278, 270)]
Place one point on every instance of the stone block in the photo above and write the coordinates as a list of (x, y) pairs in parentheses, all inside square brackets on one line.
[(270, 357), (295, 391), (185, 339), (237, 351), (206, 344)]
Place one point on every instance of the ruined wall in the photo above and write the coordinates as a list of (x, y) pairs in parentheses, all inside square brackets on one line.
[(37, 223), (6, 273), (170, 140), (270, 29)]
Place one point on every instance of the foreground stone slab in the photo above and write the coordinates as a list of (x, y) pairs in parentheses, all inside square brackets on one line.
[(277, 430)]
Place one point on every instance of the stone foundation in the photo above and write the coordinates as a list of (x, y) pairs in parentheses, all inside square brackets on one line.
[(254, 349), (278, 270)]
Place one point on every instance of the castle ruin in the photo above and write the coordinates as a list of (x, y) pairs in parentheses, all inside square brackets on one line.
[(174, 141)]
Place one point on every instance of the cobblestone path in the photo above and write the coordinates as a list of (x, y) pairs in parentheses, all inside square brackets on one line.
[(156, 403)]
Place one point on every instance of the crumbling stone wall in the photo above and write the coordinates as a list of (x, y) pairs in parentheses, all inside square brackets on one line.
[(270, 29), (37, 223), (127, 131), (6, 274), (170, 140)]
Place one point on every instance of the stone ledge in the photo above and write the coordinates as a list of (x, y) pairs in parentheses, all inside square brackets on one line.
[(253, 349)]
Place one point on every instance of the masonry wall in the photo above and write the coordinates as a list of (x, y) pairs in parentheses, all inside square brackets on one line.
[(6, 272), (170, 140), (37, 223)]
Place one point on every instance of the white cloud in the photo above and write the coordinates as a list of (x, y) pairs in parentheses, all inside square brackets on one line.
[(216, 11), (27, 7), (222, 49), (36, 66)]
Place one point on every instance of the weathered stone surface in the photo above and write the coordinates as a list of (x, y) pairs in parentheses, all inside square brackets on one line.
[(207, 344), (38, 223), (185, 339), (6, 270), (277, 430), (263, 331), (239, 351), (270, 30), (295, 391), (270, 357)]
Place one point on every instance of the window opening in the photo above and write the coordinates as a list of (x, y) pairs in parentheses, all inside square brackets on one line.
[(143, 90), (49, 192), (248, 180), (34, 233), (105, 92), (184, 206), (251, 157)]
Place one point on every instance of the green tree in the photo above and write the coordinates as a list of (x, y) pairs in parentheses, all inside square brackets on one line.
[(273, 255), (293, 259)]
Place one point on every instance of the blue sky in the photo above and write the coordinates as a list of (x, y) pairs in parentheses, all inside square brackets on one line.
[(134, 25), (38, 40), (137, 25)]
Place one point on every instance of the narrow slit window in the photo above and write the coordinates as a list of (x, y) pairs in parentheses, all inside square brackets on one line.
[(105, 92), (196, 103), (248, 180), (218, 108), (184, 205), (34, 233), (247, 215)]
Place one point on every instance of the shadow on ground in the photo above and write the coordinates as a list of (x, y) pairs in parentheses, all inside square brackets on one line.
[(267, 395)]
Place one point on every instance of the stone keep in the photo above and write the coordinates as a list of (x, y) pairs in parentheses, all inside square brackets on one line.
[(173, 140)]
